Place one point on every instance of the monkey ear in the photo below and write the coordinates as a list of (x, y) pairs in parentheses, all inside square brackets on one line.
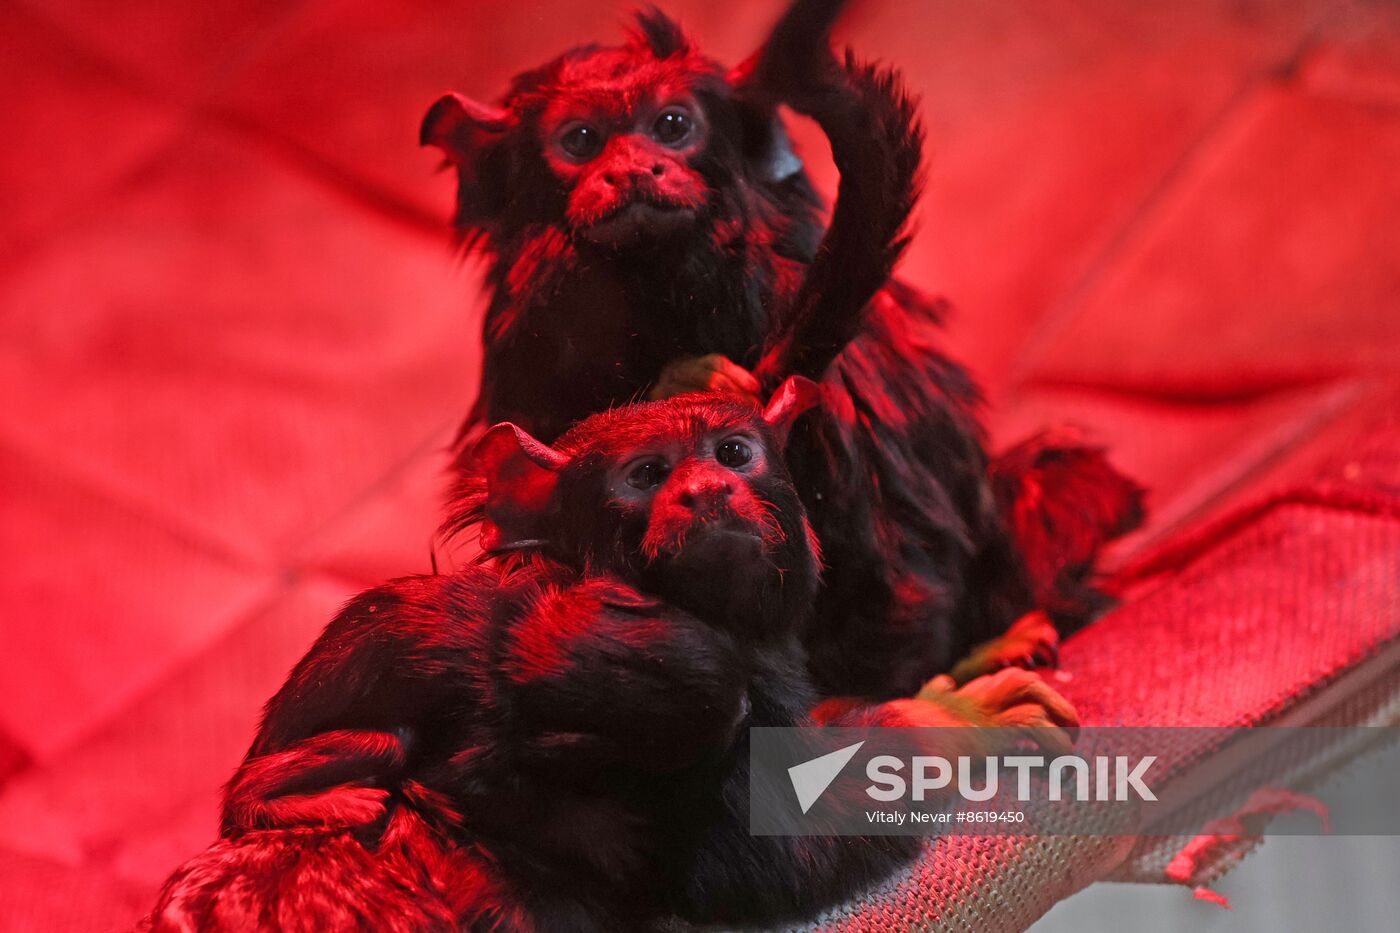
[(796, 395), (468, 133), (521, 474), (454, 123), (774, 157), (767, 146)]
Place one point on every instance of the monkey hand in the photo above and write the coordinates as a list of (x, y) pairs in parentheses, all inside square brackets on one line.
[(1030, 642), (713, 372), (628, 679), (335, 780)]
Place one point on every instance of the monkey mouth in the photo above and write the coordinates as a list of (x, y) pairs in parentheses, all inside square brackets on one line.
[(731, 531), (709, 549), (730, 536), (640, 223), (707, 536)]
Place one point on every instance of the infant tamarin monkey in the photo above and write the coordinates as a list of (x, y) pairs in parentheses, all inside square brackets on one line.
[(558, 741)]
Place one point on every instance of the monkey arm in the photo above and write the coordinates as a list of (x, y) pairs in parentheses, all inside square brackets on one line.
[(774, 877), (586, 675), (386, 660), (339, 731), (599, 673)]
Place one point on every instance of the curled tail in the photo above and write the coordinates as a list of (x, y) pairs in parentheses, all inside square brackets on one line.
[(876, 137), (1061, 502)]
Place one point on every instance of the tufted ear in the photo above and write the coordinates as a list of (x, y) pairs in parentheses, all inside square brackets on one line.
[(470, 134), (796, 395), (521, 474)]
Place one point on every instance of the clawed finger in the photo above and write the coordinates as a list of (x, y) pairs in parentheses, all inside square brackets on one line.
[(1033, 624), (1056, 707), (711, 373), (1015, 687)]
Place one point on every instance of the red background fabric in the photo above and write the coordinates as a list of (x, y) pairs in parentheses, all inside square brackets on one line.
[(234, 341)]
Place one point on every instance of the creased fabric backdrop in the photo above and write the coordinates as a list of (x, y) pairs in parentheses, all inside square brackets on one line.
[(234, 340)]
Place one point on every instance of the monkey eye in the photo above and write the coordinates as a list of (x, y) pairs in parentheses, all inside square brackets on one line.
[(581, 141), (733, 453), (672, 126), (647, 475)]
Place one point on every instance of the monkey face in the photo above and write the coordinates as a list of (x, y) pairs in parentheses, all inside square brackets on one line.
[(688, 497), (621, 140), (698, 497), (696, 500), (625, 148), (712, 516)]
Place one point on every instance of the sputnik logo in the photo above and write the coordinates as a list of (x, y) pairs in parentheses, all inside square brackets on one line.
[(811, 778)]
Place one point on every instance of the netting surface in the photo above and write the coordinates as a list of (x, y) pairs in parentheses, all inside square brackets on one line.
[(1261, 617)]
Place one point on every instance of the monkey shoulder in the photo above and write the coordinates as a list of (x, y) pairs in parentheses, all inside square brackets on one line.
[(608, 653), (439, 612), (391, 649), (608, 591)]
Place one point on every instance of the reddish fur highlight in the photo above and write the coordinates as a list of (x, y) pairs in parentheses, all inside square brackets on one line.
[(671, 523), (1063, 502)]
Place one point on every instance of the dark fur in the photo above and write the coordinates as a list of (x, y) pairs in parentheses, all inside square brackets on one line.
[(925, 556), (556, 742)]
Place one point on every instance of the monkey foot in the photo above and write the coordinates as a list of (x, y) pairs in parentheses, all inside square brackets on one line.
[(1006, 708)]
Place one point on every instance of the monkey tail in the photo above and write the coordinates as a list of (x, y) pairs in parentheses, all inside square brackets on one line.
[(877, 140), (1062, 502)]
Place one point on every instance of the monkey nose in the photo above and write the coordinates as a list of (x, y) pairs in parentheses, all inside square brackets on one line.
[(632, 175), (705, 493)]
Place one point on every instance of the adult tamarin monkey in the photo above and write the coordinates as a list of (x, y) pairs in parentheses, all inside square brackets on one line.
[(647, 226), (559, 741)]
